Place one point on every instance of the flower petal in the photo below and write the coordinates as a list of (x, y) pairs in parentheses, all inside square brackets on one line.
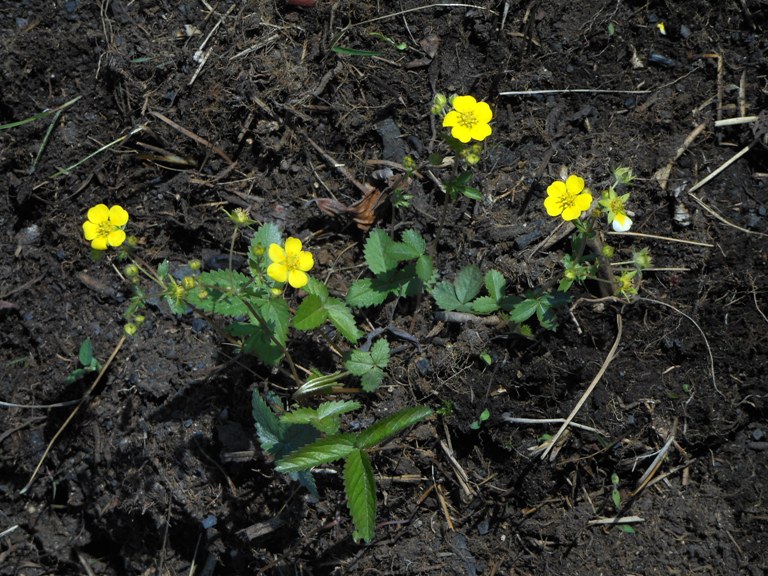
[(480, 132), (90, 230), (305, 261), (297, 278), (99, 243), (574, 184), (464, 103), (451, 119), (556, 189), (116, 238), (292, 247), (583, 201), (553, 205), (277, 271), (622, 223), (461, 133), (483, 112), (98, 214), (118, 216), (570, 213), (276, 254)]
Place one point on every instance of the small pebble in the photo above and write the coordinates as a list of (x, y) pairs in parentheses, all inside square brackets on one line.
[(758, 435), (685, 32), (209, 522), (423, 366)]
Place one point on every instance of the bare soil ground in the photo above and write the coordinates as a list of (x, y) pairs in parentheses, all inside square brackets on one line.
[(231, 89)]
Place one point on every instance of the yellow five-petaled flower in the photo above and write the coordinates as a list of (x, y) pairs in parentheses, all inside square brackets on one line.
[(104, 226), (469, 119), (568, 199), (290, 264)]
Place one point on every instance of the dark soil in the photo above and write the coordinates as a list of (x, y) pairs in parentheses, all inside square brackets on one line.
[(135, 481)]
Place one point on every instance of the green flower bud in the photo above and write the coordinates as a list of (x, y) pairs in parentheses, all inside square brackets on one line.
[(139, 320), (188, 282), (195, 265), (131, 271), (608, 251), (130, 329)]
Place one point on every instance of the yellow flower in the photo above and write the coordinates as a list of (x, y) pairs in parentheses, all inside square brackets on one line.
[(469, 119), (104, 227), (568, 199), (617, 212), (290, 264)]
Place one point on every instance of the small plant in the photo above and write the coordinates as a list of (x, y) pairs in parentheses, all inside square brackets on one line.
[(88, 363), (484, 415), (400, 269), (306, 438), (617, 504)]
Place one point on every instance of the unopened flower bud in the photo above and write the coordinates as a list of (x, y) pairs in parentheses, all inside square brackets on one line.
[(131, 271), (188, 282), (195, 265), (130, 329)]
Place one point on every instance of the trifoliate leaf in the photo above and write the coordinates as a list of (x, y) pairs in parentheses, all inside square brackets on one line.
[(390, 426), (380, 353), (415, 241), (319, 452), (341, 317), (444, 294), (378, 252), (310, 314), (468, 283), (360, 486), (495, 284), (359, 362)]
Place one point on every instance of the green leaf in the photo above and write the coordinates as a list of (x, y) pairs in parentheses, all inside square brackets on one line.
[(316, 288), (310, 314), (162, 269), (363, 294), (444, 294), (523, 310), (378, 252), (267, 425), (359, 362), (258, 255), (341, 317), (371, 380), (360, 487), (86, 352), (318, 452), (415, 241), (276, 316), (495, 284), (336, 408), (468, 283), (223, 289), (380, 353), (425, 269), (391, 425), (484, 305), (472, 193), (177, 307)]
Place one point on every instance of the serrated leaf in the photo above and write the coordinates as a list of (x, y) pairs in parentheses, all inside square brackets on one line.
[(318, 452), (523, 310), (360, 487), (390, 426), (495, 284), (303, 415), (444, 294), (222, 288), (310, 314), (261, 342), (425, 269), (468, 283), (306, 479), (316, 288), (377, 252), (380, 353), (484, 305), (294, 437), (341, 317), (359, 362), (85, 355), (362, 294), (267, 425), (401, 251), (176, 306), (371, 380), (258, 255), (162, 269), (336, 408), (415, 241)]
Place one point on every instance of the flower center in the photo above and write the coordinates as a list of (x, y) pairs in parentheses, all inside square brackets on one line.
[(467, 119), (106, 228), (292, 261)]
